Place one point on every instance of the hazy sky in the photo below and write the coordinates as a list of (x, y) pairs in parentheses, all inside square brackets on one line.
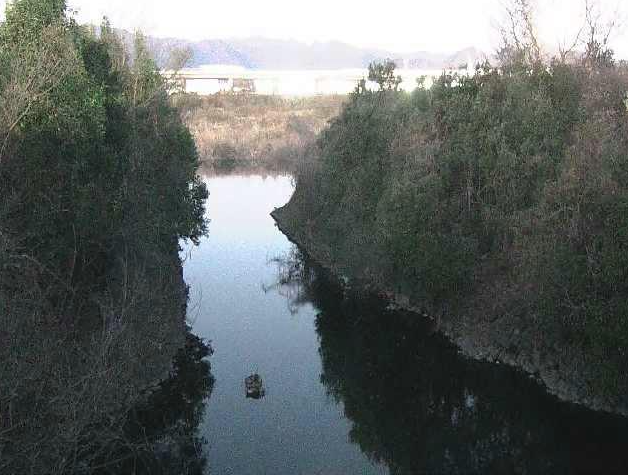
[(398, 25)]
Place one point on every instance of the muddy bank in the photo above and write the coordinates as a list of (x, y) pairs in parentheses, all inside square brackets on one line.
[(512, 338)]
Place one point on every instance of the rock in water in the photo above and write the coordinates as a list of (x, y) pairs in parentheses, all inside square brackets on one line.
[(254, 387)]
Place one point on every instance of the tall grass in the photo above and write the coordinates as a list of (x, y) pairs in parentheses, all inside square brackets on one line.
[(267, 132)]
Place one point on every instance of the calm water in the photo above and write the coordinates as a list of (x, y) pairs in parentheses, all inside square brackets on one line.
[(297, 428), (352, 388)]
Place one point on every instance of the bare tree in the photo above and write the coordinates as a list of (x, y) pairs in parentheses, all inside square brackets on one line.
[(594, 35), (565, 50), (598, 30), (518, 32), (521, 42)]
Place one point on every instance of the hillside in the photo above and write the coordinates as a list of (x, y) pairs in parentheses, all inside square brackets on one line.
[(266, 53)]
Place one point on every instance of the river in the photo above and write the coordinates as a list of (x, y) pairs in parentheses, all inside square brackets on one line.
[(351, 386)]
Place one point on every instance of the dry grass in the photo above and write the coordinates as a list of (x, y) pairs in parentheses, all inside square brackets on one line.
[(256, 131), (66, 387)]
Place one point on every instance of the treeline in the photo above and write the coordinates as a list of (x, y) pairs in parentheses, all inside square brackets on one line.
[(97, 185), (505, 192)]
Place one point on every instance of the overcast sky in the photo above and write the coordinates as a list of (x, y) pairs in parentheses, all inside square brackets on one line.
[(397, 25)]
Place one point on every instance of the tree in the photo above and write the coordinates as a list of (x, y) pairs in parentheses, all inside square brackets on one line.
[(598, 33), (384, 75), (25, 19), (97, 186), (520, 42), (36, 56)]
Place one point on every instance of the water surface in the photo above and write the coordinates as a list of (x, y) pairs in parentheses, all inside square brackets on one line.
[(297, 428), (351, 386)]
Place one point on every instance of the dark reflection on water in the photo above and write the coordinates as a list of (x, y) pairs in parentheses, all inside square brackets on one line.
[(354, 388), (162, 434), (418, 407), (296, 428)]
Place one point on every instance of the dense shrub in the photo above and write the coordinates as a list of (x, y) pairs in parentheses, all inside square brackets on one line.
[(514, 177), (97, 185)]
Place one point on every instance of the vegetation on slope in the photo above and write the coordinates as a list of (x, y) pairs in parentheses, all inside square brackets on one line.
[(97, 186), (503, 193)]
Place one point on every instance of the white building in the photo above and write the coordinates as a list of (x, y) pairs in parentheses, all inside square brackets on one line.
[(208, 80)]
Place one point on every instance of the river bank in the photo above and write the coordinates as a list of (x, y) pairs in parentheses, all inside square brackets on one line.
[(98, 189), (562, 368)]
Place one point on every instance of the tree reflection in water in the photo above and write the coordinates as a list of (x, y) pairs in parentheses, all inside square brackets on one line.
[(417, 406), (162, 433), (292, 281)]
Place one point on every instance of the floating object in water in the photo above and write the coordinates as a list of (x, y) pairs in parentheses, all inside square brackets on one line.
[(254, 387)]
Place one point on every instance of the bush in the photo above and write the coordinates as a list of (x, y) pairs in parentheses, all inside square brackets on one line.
[(510, 182), (97, 186)]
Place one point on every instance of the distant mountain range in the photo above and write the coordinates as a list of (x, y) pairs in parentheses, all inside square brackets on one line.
[(264, 53)]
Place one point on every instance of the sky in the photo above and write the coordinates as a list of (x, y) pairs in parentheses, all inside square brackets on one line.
[(394, 25)]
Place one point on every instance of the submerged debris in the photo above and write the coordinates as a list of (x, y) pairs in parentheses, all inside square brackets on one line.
[(254, 386)]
